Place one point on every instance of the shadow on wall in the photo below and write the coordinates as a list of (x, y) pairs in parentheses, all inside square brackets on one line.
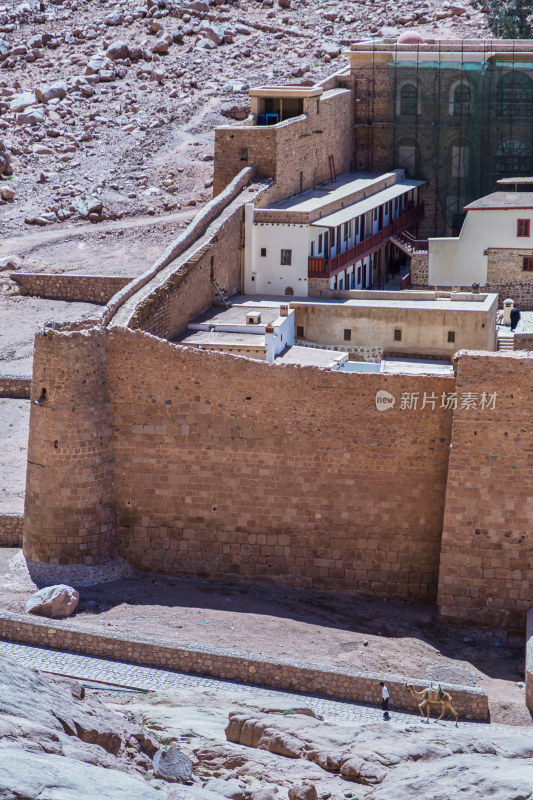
[(359, 616)]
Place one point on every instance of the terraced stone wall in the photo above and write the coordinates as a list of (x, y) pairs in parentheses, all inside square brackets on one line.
[(11, 526), (15, 386), (76, 288)]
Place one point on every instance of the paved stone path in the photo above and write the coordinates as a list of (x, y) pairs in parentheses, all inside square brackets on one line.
[(117, 673)]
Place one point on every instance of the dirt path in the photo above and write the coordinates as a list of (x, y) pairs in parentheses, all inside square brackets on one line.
[(27, 242)]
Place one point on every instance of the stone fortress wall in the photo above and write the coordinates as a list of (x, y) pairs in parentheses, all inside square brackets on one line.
[(194, 462)]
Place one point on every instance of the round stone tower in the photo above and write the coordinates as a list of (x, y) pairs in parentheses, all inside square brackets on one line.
[(69, 516)]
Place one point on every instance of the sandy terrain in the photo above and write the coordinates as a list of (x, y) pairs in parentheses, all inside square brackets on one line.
[(301, 626), (14, 421)]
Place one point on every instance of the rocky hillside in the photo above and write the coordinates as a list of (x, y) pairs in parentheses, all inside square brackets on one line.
[(208, 744), (107, 107)]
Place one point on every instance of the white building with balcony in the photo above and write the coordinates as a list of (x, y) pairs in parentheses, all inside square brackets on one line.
[(340, 235)]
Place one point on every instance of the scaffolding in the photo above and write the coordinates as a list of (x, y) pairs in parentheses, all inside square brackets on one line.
[(459, 119)]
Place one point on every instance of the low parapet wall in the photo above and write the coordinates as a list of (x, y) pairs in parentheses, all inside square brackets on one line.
[(248, 668), (185, 240), (75, 288), (15, 386), (11, 525)]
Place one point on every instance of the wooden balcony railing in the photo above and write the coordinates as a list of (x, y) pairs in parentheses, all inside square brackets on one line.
[(323, 267)]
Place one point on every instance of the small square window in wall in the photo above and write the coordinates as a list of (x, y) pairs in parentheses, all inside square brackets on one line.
[(451, 336), (244, 154), (527, 264), (522, 227), (300, 331), (347, 334), (263, 252), (286, 258), (397, 335)]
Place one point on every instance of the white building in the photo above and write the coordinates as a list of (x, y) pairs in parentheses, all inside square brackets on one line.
[(337, 236), (495, 246)]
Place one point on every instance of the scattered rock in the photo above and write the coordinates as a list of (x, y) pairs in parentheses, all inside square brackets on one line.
[(118, 49), (303, 791), (54, 601), (55, 90), (85, 206), (5, 160), (23, 101), (172, 765)]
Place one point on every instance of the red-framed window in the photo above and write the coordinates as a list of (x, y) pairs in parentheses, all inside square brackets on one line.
[(522, 227), (527, 263)]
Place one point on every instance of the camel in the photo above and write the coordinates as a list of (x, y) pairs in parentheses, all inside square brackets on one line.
[(425, 695)]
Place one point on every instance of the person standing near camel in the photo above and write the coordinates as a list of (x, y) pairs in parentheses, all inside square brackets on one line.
[(385, 701)]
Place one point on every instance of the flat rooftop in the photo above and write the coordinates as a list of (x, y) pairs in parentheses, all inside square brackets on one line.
[(502, 200), (333, 191), (427, 301), (236, 315), (309, 357), (221, 339), (361, 207)]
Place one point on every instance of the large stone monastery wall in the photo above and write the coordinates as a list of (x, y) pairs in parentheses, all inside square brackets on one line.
[(233, 468), (487, 546)]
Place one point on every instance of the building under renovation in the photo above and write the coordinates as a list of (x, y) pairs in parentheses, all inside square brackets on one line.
[(456, 114)]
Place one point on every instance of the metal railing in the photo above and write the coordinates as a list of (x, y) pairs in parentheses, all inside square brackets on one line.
[(318, 266)]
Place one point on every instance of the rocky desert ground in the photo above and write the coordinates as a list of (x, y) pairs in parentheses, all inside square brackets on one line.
[(107, 112), (59, 741)]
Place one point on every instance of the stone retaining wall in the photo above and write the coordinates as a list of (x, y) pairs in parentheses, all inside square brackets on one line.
[(245, 668), (76, 288), (523, 341), (529, 660), (15, 386), (11, 525)]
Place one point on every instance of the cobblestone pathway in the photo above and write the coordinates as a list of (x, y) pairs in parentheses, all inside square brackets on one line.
[(100, 670)]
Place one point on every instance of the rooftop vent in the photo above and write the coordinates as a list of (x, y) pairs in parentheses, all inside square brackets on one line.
[(284, 310), (253, 318)]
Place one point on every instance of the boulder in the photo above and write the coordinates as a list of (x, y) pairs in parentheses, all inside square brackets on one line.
[(10, 263), (303, 791), (52, 777), (118, 49), (22, 101), (172, 765), (88, 205), (161, 47), (51, 92), (5, 160), (115, 19), (7, 192), (235, 112), (97, 63), (54, 601), (32, 116), (214, 32)]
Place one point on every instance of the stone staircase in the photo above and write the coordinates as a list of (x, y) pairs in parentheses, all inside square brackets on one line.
[(505, 341)]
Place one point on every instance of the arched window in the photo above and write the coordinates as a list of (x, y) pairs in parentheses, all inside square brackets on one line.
[(512, 159), (408, 156), (409, 99), (460, 100), (515, 95)]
